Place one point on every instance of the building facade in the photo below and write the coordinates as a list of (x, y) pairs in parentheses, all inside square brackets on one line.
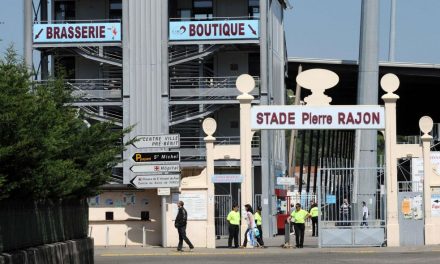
[(162, 67)]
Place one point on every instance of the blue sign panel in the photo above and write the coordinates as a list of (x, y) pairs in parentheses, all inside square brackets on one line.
[(77, 33), (214, 30), (330, 199), (227, 178)]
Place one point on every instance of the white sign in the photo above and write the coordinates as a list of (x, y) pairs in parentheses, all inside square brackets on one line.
[(285, 181), (77, 33), (163, 191), (196, 205), (226, 178), (155, 168), (156, 181), (417, 171), (214, 29), (435, 204), (157, 141), (318, 117)]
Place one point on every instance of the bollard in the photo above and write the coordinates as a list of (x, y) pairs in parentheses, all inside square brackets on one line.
[(286, 234), (126, 237), (144, 238), (107, 236)]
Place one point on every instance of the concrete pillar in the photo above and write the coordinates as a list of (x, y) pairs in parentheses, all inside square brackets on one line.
[(28, 23), (245, 84), (209, 126), (431, 234), (389, 84)]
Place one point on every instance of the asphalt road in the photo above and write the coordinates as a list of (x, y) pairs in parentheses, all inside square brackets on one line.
[(265, 256)]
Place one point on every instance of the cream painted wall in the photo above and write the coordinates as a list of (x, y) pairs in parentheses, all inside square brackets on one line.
[(126, 217)]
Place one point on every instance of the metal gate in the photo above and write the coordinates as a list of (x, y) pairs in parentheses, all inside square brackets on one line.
[(223, 205), (341, 222), (410, 208)]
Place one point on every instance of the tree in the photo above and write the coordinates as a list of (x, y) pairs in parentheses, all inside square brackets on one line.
[(47, 151)]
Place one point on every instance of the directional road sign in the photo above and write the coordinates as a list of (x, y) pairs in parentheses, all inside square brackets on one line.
[(157, 141), (157, 157), (156, 181), (155, 168)]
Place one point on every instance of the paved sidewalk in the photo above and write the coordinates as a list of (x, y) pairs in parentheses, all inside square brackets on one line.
[(273, 247)]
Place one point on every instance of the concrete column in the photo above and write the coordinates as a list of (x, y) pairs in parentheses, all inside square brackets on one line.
[(245, 84), (389, 84), (431, 233), (209, 127), (27, 38)]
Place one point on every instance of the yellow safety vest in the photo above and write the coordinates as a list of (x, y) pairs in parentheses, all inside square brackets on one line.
[(314, 211), (299, 217), (257, 218), (233, 218)]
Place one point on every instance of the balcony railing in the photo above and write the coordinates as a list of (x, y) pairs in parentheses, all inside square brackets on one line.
[(207, 88), (78, 21), (194, 147)]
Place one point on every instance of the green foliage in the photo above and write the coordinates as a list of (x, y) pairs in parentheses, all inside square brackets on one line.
[(46, 149)]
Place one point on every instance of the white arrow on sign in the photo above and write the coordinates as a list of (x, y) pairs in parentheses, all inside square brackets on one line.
[(156, 181), (155, 168), (157, 141)]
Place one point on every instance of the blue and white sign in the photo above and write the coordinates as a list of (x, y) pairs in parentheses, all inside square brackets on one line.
[(227, 178), (330, 199), (77, 33), (214, 30)]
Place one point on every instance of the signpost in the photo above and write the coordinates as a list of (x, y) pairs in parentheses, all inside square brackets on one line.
[(155, 168), (157, 157), (156, 181), (157, 141)]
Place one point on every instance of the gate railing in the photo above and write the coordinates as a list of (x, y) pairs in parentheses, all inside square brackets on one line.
[(223, 205), (343, 204)]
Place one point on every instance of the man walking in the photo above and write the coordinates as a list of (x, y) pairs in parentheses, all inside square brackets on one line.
[(180, 224), (365, 214), (298, 217), (234, 226)]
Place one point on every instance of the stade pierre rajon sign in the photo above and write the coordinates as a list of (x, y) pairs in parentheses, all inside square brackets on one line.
[(318, 117)]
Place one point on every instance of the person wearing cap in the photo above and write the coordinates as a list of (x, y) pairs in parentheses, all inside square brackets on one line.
[(298, 217)]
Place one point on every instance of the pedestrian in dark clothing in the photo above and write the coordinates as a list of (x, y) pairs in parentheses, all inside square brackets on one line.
[(180, 224), (314, 212)]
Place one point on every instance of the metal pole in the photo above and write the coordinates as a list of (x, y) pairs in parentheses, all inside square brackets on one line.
[(392, 43), (107, 233), (144, 237), (164, 221)]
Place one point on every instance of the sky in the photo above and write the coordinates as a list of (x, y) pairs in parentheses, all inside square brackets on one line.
[(329, 29), (325, 29)]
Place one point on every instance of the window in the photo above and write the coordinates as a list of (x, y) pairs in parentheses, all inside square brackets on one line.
[(115, 9), (64, 10), (202, 9), (254, 8)]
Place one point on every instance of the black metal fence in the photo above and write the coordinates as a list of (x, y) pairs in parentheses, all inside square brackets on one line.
[(25, 224)]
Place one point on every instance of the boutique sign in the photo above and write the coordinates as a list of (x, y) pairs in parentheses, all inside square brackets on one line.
[(214, 30), (77, 33), (318, 117)]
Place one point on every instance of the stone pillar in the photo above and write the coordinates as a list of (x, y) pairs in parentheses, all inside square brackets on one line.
[(209, 126), (389, 84), (245, 84), (425, 124)]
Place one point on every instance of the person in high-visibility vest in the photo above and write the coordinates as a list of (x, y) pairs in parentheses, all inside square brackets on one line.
[(298, 217), (314, 212), (258, 219), (233, 219)]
